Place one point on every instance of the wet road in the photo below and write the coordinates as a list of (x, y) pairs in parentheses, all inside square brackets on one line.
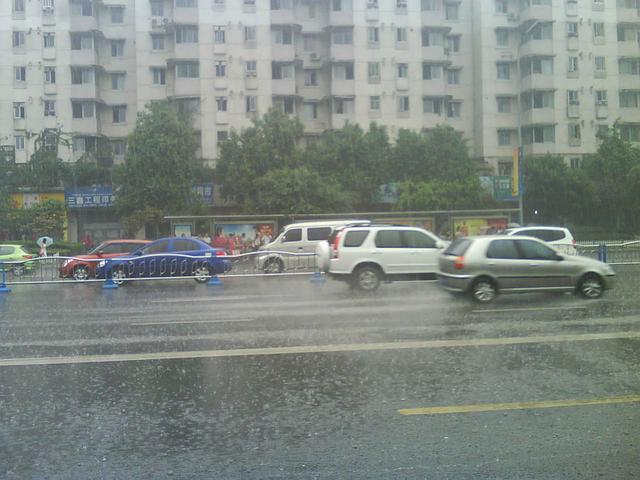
[(281, 378)]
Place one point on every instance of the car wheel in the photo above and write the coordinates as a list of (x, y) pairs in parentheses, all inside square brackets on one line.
[(591, 286), (202, 273), (483, 290), (273, 265), (367, 279), (118, 276), (81, 273)]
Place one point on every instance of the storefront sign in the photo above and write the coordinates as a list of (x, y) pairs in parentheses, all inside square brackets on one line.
[(89, 197), (204, 191)]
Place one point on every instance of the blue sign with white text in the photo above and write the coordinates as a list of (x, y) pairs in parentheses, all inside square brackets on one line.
[(204, 191), (89, 197)]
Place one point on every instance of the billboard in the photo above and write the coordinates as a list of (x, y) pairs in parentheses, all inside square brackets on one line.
[(28, 200), (242, 237), (89, 197), (463, 227)]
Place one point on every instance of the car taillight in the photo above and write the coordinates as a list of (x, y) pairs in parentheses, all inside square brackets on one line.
[(459, 263), (27, 256), (336, 243), (221, 253)]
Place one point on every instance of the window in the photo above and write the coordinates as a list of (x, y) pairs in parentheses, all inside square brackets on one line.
[(19, 110), (403, 70), (432, 38), (532, 250), (403, 104), (432, 105), (50, 75), (250, 34), (572, 65), (453, 76), (18, 39), (117, 14), (160, 246), (374, 103), (431, 71), (82, 8), (429, 5), (389, 239), (601, 97), (342, 36), (372, 4), (310, 78), (221, 103), (49, 39), (318, 233), (81, 41), (373, 72), (453, 43), (502, 37), (119, 148), (572, 97), (117, 48), (280, 71), (82, 75), (401, 35), (119, 114), (502, 6), (186, 3), (250, 68), (576, 162), (293, 235), (574, 132), (282, 36), (343, 71), (453, 109), (451, 11), (157, 42), (504, 138), (221, 68), (415, 239), (504, 70), (20, 74), (373, 34), (188, 70), (597, 5), (19, 142), (219, 35), (187, 34), (157, 8), (630, 99), (541, 31), (222, 136), (504, 249), (539, 134), (598, 30), (536, 65), (342, 106), (538, 99), (310, 111), (251, 103), (280, 4), (49, 108), (629, 66), (600, 65), (401, 4), (504, 104), (82, 109), (355, 239), (117, 81), (630, 133), (18, 6), (572, 29), (159, 76)]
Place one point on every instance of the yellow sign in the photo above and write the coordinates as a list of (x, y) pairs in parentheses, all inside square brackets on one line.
[(463, 227), (28, 200), (515, 182)]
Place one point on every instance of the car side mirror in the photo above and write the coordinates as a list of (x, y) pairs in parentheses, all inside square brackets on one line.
[(137, 253), (100, 253), (439, 245), (559, 257)]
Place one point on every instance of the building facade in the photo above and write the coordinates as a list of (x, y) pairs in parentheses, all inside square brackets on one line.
[(546, 74)]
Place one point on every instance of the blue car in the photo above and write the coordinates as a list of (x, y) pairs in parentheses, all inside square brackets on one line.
[(167, 257)]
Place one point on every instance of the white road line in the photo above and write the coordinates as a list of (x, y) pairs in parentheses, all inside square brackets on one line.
[(189, 322), (529, 309), (296, 350)]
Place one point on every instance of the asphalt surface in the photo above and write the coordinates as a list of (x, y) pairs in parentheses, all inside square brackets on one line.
[(278, 378)]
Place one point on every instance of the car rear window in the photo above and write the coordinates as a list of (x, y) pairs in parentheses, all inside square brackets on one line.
[(6, 250), (503, 249), (318, 233), (356, 238), (458, 247), (389, 239)]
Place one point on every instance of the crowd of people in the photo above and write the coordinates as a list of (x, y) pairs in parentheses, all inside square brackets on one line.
[(235, 244)]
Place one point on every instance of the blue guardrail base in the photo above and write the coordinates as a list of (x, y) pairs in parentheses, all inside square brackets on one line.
[(109, 284), (4, 288), (317, 278), (214, 281)]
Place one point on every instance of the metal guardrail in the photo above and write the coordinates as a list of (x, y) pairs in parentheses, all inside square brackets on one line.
[(614, 253), (169, 266)]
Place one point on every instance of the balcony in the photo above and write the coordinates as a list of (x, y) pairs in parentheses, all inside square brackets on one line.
[(628, 81), (372, 14), (251, 82), (629, 49), (187, 16), (313, 25), (185, 87), (341, 53), (79, 23), (186, 51), (312, 60), (602, 110), (85, 91), (86, 126), (434, 54), (540, 148), (537, 116), (436, 87), (314, 126), (433, 18), (316, 93), (339, 120), (283, 17), (343, 88), (85, 56), (542, 13), (537, 81), (50, 89), (536, 47), (161, 24), (283, 53), (341, 18), (283, 87)]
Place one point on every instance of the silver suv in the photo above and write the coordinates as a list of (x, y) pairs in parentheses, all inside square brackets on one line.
[(484, 266), (364, 256)]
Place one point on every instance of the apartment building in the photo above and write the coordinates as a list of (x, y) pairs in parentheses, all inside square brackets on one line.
[(541, 72)]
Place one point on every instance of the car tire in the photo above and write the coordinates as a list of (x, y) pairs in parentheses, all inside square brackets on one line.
[(483, 290), (273, 265), (81, 273), (367, 278), (118, 275), (202, 273), (591, 286)]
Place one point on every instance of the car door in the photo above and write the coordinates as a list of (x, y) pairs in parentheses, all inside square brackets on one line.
[(155, 265), (390, 252), (547, 270), (422, 250), (505, 264), (184, 249)]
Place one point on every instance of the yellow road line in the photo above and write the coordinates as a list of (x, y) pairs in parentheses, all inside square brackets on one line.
[(498, 407), (296, 350)]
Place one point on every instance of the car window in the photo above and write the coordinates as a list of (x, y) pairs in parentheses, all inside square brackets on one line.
[(356, 238), (458, 247), (536, 251), (318, 233), (184, 245), (554, 235), (293, 235), (541, 234), (389, 239), (414, 239), (111, 248), (157, 247), (6, 250), (503, 249), (129, 247)]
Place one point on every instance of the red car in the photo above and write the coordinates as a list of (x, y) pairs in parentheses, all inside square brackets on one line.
[(81, 269)]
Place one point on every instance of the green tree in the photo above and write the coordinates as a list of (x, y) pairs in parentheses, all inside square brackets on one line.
[(46, 218), (160, 166), (443, 195)]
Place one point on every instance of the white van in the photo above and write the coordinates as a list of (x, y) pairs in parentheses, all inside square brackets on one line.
[(295, 239)]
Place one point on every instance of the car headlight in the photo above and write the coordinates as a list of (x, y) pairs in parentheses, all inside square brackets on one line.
[(609, 271), (101, 263)]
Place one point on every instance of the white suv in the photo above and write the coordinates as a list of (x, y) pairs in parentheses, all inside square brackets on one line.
[(366, 255), (559, 238)]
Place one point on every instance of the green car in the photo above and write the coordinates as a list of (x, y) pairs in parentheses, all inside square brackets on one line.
[(12, 253)]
